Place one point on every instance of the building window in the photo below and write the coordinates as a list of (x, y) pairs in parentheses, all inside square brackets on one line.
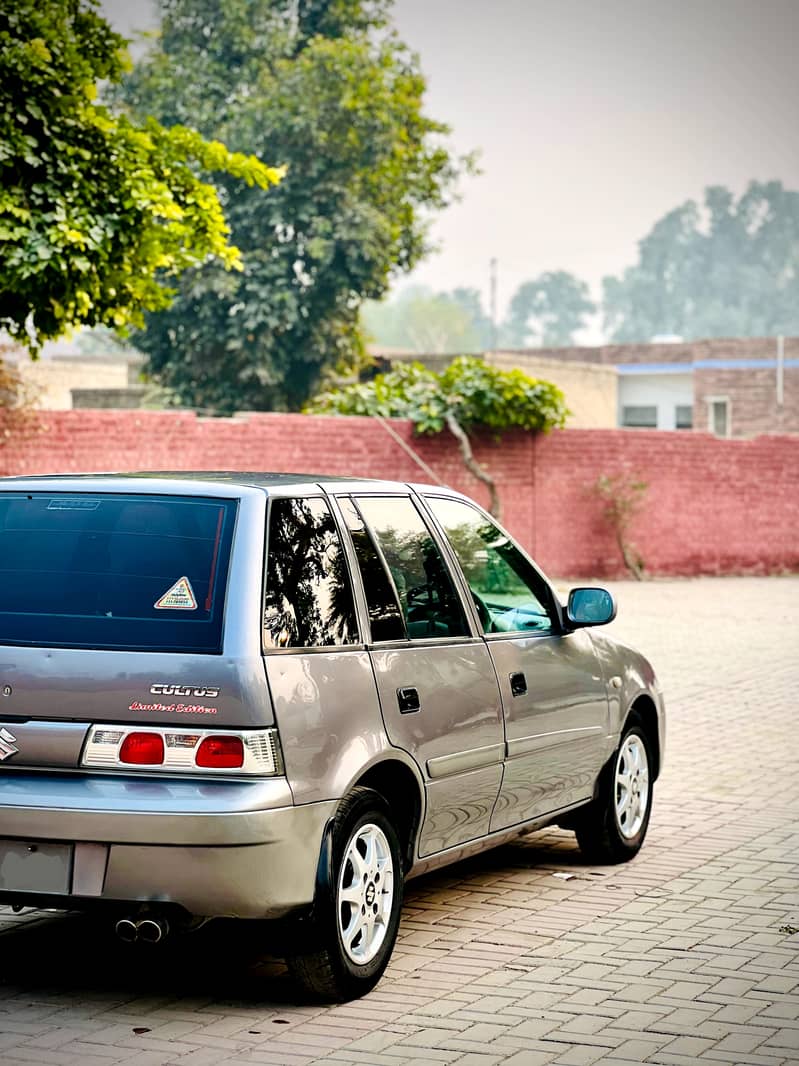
[(639, 417), (683, 416), (718, 415)]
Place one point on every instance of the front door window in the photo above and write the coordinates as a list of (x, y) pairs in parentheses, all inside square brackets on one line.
[(509, 594)]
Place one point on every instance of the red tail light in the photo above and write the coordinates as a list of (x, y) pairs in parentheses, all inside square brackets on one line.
[(143, 749), (227, 752)]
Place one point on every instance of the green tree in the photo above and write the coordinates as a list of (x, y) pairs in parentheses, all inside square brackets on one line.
[(326, 87), (421, 321), (94, 209), (727, 268), (547, 311), (468, 395)]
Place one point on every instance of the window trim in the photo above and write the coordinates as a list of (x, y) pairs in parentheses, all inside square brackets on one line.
[(554, 608), (310, 649), (710, 400)]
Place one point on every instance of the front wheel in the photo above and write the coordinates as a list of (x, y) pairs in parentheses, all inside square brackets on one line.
[(613, 827), (357, 910)]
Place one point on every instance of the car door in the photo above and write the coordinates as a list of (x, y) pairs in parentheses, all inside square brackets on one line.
[(554, 696), (435, 678)]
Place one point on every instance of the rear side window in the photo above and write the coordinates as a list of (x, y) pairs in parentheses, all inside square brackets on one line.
[(429, 602), (308, 599), (130, 572)]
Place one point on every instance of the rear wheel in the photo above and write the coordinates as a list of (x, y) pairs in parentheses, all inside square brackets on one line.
[(357, 910), (613, 827)]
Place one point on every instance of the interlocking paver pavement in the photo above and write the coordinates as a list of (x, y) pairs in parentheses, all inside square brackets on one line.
[(688, 954)]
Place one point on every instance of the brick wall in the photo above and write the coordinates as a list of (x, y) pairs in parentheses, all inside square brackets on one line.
[(713, 506)]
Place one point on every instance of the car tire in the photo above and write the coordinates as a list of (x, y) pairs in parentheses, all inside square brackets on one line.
[(358, 902), (613, 827)]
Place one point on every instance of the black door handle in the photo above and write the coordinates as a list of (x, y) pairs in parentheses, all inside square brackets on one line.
[(408, 700), (518, 684)]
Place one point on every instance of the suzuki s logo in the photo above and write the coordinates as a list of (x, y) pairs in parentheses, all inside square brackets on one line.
[(7, 744)]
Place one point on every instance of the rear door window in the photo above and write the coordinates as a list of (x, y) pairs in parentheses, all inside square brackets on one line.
[(308, 599), (133, 572), (428, 600)]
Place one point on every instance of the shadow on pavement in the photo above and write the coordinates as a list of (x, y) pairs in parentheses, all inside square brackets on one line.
[(225, 961)]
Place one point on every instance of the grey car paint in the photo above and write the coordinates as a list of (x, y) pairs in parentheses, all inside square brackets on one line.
[(557, 731), (250, 848), (455, 737)]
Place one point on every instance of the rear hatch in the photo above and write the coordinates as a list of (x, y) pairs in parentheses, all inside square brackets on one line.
[(114, 608)]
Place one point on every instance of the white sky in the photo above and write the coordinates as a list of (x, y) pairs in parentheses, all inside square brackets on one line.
[(593, 118)]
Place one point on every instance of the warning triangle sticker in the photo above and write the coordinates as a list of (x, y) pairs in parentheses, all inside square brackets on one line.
[(178, 598)]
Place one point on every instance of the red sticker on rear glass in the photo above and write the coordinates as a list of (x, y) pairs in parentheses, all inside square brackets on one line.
[(178, 598)]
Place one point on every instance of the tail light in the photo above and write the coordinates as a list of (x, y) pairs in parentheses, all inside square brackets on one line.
[(164, 750), (221, 752), (142, 749)]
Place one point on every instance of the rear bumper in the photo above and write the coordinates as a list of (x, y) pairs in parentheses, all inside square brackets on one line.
[(214, 848)]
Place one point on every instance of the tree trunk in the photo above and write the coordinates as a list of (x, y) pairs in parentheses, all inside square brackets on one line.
[(459, 433)]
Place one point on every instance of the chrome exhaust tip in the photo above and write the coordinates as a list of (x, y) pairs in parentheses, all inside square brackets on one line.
[(152, 930), (126, 930)]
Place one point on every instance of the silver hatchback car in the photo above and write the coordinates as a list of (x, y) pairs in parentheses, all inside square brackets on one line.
[(279, 697)]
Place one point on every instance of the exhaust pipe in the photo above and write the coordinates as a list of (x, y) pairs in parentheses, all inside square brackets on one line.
[(152, 930), (148, 930), (126, 930)]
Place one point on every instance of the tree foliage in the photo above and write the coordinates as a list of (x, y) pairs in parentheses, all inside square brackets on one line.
[(428, 322), (326, 87), (547, 311), (94, 209), (729, 268), (469, 394)]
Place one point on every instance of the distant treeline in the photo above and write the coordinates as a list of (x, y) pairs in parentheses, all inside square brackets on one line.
[(725, 268)]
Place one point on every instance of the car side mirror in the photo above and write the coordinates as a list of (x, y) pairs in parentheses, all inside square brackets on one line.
[(590, 607)]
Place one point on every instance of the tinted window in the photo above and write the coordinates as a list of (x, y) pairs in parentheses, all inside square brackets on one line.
[(430, 605), (308, 601), (114, 571), (384, 612), (509, 594)]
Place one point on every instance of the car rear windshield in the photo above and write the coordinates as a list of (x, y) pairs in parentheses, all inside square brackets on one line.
[(133, 572)]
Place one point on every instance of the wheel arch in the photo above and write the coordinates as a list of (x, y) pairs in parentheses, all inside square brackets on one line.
[(644, 708), (398, 786)]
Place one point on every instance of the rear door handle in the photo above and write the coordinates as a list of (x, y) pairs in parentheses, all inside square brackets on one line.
[(518, 684), (408, 700)]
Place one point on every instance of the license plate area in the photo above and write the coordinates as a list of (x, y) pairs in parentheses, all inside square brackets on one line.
[(34, 866)]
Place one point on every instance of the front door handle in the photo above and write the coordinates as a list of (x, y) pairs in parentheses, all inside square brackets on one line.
[(408, 700), (518, 684)]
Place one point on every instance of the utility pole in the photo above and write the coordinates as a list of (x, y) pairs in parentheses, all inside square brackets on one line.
[(492, 266)]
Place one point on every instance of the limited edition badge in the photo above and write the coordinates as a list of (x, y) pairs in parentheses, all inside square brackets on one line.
[(178, 598)]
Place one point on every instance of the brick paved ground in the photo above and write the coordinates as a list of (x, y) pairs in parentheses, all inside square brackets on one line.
[(689, 953)]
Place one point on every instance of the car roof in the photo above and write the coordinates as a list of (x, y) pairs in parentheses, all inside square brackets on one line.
[(191, 480)]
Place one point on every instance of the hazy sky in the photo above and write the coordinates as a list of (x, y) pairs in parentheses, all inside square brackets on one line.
[(593, 118)]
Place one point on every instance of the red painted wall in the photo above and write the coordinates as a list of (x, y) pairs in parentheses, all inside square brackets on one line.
[(712, 506)]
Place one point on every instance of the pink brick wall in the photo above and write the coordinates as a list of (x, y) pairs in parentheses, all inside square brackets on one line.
[(713, 506)]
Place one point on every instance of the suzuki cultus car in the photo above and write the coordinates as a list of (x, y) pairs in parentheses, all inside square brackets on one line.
[(280, 697)]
